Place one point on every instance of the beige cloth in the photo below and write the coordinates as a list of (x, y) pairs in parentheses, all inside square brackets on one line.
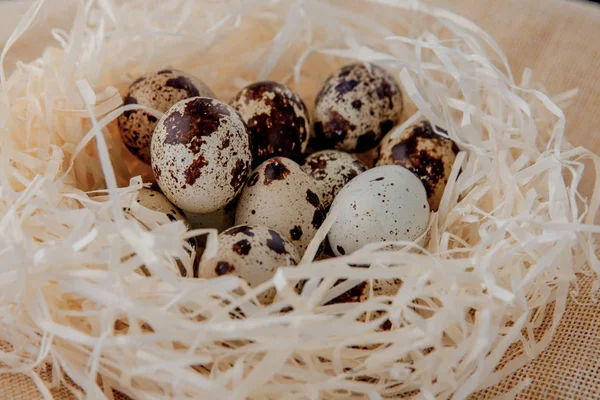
[(559, 41)]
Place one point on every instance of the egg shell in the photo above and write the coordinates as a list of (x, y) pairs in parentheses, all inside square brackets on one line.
[(158, 90), (280, 195), (386, 203), (156, 201), (277, 120), (356, 107), (201, 154), (332, 170), (253, 253), (425, 153)]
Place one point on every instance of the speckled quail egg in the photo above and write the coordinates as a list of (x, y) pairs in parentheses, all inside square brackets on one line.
[(386, 203), (280, 195), (201, 154), (331, 170), (356, 107), (148, 199), (253, 253), (277, 120), (157, 90), (427, 154)]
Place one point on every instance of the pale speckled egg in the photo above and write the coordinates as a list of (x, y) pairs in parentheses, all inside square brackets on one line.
[(201, 154), (160, 91), (252, 253), (386, 203), (428, 155), (277, 120), (356, 107), (332, 170), (278, 194), (156, 201)]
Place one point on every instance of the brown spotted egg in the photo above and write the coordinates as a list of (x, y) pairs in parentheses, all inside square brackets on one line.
[(252, 253), (157, 90), (277, 119), (201, 154), (278, 194), (331, 170), (428, 155), (356, 107)]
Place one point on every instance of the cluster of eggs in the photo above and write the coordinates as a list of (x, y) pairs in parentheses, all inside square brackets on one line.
[(243, 167)]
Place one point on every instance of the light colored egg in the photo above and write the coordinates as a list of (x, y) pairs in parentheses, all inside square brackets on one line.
[(383, 204), (155, 202), (425, 153), (253, 253), (277, 120), (356, 107), (158, 90), (280, 195), (201, 154), (332, 170)]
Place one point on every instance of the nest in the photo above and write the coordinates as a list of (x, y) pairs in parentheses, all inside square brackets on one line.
[(511, 233)]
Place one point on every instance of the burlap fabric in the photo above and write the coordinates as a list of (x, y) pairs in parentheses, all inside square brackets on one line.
[(558, 40)]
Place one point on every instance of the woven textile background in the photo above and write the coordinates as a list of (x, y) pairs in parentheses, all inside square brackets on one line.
[(559, 41)]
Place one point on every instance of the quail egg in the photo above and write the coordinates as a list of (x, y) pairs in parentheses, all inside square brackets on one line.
[(386, 203), (201, 154), (280, 195), (427, 154), (277, 120), (356, 107), (253, 253), (331, 170), (157, 90)]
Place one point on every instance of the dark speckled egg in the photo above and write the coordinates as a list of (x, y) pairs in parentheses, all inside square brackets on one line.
[(252, 253), (356, 107), (280, 195), (277, 119), (157, 90), (331, 170), (201, 154), (425, 153)]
